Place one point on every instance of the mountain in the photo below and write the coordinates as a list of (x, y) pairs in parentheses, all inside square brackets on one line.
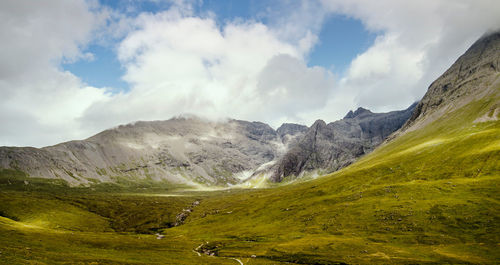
[(430, 195), (194, 151), (332, 146), (185, 150), (290, 131), (470, 78)]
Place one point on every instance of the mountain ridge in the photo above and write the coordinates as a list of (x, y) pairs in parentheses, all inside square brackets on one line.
[(182, 150), (330, 147), (462, 83)]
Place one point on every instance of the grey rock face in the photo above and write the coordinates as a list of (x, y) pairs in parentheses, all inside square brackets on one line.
[(195, 151), (180, 150), (338, 144), (465, 80), (289, 132), (291, 129)]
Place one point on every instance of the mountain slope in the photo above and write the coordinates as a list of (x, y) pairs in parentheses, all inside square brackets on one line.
[(332, 146), (180, 150), (188, 151), (470, 78)]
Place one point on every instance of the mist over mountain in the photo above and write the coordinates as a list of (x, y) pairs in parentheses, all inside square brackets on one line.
[(194, 151)]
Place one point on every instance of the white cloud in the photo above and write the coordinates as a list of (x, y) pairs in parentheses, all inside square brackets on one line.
[(39, 102), (287, 87), (297, 22), (382, 75), (179, 63), (418, 41)]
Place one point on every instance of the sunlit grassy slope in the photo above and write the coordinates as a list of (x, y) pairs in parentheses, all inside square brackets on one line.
[(429, 196)]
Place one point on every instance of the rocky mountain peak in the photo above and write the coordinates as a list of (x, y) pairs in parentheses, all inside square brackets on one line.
[(291, 129), (349, 115), (336, 145), (462, 82), (360, 111), (318, 124)]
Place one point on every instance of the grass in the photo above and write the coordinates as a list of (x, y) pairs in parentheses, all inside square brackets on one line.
[(30, 244), (428, 197)]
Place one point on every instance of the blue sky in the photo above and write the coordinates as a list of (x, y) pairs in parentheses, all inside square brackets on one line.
[(104, 70), (340, 39)]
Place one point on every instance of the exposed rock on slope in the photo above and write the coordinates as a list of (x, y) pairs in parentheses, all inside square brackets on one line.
[(290, 131), (338, 144), (469, 78), (195, 151), (476, 74), (180, 150)]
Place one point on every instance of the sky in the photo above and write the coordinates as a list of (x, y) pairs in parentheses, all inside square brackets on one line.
[(70, 69)]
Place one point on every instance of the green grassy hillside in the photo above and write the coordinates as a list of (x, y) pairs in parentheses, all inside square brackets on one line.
[(429, 196)]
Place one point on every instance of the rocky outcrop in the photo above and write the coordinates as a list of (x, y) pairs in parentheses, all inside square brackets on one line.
[(180, 150), (290, 131), (193, 151), (469, 78), (335, 145)]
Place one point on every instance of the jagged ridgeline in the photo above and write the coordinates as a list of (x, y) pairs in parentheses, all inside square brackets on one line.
[(194, 151), (329, 147)]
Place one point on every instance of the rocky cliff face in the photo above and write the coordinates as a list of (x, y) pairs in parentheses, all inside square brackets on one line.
[(195, 151), (335, 145), (289, 132), (180, 150), (470, 77)]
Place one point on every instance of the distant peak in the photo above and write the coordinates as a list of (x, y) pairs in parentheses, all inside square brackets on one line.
[(318, 123), (291, 129), (359, 111), (349, 115)]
